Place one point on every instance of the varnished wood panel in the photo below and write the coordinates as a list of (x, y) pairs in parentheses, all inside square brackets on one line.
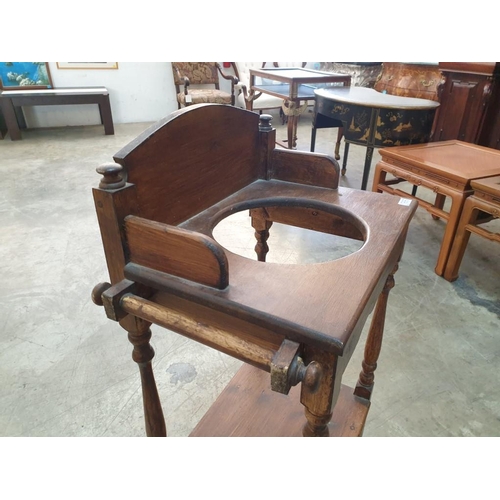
[(191, 164), (176, 251), (248, 408)]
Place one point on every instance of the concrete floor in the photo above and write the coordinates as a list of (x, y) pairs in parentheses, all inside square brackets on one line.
[(66, 370)]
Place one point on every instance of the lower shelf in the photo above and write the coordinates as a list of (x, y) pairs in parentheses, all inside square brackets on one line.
[(248, 408)]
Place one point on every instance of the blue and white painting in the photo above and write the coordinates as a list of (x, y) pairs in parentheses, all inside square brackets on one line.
[(24, 74)]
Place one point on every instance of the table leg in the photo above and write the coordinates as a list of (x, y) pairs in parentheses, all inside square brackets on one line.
[(106, 116), (3, 126), (457, 203), (292, 130), (366, 170), (340, 134), (313, 138), (469, 215), (344, 161), (9, 114)]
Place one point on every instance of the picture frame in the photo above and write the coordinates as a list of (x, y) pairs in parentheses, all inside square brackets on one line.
[(87, 65), (25, 76)]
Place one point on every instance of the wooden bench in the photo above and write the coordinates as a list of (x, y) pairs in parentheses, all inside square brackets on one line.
[(11, 102)]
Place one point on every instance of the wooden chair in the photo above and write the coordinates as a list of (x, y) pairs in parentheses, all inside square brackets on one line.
[(481, 207), (157, 207), (199, 82)]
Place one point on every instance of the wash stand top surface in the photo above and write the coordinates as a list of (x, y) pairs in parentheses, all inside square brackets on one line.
[(206, 162)]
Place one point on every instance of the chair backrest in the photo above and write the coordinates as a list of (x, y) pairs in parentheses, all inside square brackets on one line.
[(216, 149), (199, 73)]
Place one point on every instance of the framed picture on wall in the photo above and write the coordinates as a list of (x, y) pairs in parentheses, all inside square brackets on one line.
[(87, 65), (24, 75)]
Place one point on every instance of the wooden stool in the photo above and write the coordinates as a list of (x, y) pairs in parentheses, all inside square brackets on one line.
[(485, 200), (447, 168), (290, 324)]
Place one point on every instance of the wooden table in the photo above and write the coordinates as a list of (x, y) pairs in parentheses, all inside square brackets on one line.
[(294, 86), (485, 201), (446, 168), (11, 102), (372, 119), (291, 324)]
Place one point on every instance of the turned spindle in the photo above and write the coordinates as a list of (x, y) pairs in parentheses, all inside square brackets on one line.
[(364, 387), (112, 176)]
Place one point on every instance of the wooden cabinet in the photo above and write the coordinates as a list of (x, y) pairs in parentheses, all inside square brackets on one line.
[(469, 104), (420, 80)]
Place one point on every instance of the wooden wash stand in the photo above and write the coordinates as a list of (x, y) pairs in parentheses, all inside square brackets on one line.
[(294, 326)]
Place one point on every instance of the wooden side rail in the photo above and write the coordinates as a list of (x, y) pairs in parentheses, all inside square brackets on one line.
[(255, 345), (304, 168), (190, 255), (15, 99)]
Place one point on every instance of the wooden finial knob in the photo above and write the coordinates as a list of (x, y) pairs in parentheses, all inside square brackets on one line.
[(265, 123), (97, 292), (309, 375), (112, 176)]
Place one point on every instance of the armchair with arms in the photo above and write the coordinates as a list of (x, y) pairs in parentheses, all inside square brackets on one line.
[(200, 83)]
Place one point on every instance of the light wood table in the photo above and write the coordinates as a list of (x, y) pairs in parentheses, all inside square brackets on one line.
[(446, 168), (294, 86), (484, 201)]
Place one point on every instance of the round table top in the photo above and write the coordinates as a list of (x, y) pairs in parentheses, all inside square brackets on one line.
[(372, 98)]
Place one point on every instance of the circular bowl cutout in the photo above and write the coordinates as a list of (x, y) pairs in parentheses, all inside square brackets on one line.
[(289, 244)]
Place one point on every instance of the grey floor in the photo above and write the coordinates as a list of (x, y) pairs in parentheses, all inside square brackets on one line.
[(66, 370)]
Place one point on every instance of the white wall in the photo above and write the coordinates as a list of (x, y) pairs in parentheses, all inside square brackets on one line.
[(139, 92)]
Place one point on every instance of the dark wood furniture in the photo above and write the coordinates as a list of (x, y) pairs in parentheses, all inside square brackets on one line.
[(485, 201), (423, 81), (372, 119), (470, 103), (203, 78), (296, 87), (447, 169), (3, 125), (12, 101), (157, 207)]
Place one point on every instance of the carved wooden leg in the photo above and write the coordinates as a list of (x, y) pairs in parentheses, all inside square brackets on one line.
[(320, 400), (139, 335), (261, 225), (364, 387)]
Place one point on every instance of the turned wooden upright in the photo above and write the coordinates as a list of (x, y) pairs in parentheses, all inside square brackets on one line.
[(294, 326)]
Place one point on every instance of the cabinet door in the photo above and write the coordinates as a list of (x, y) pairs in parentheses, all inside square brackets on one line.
[(462, 108)]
